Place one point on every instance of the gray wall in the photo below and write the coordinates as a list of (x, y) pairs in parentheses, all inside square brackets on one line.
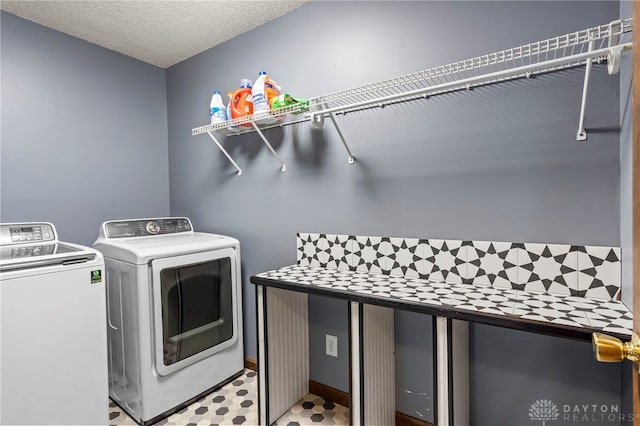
[(512, 370), (84, 132), (334, 325), (500, 163)]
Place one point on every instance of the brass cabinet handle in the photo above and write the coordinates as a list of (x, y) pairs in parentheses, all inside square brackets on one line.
[(611, 349)]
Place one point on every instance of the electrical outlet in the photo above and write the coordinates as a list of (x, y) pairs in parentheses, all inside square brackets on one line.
[(332, 345)]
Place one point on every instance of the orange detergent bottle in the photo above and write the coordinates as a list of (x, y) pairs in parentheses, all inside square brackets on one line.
[(240, 101), (272, 89)]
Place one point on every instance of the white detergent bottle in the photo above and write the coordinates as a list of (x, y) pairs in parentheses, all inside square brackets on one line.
[(259, 94), (260, 101), (217, 110)]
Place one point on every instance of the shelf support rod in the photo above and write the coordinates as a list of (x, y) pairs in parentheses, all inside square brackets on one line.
[(350, 160), (582, 134), (225, 153), (283, 167)]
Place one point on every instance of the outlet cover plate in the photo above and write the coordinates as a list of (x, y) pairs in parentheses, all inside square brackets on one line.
[(331, 345)]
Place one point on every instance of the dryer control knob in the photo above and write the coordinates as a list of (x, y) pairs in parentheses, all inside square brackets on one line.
[(153, 227)]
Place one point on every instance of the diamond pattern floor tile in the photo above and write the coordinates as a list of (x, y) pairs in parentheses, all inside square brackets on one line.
[(313, 410), (236, 404), (117, 417)]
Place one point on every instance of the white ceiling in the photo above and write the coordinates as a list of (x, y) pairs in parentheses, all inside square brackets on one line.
[(160, 32)]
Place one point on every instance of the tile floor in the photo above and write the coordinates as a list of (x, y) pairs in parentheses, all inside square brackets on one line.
[(236, 404)]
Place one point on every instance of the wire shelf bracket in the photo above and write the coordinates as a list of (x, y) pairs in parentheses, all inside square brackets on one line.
[(350, 159), (283, 167), (613, 58), (582, 134), (317, 120), (224, 151)]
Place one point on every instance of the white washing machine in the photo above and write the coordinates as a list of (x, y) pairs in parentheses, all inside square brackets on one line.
[(174, 313), (53, 340)]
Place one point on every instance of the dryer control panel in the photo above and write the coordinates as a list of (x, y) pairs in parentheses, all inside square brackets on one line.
[(26, 233), (147, 227)]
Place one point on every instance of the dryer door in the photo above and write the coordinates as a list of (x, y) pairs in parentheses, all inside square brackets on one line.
[(195, 307)]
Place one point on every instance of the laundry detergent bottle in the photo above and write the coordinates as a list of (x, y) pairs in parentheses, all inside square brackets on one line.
[(272, 89), (232, 128), (264, 89), (240, 103), (217, 109), (259, 94)]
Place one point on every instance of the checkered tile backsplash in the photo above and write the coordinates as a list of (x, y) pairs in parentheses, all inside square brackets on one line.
[(566, 270)]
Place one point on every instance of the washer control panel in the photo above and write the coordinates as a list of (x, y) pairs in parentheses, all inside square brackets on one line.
[(26, 233), (147, 227)]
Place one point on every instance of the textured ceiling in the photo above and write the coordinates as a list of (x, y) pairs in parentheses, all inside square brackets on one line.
[(159, 32)]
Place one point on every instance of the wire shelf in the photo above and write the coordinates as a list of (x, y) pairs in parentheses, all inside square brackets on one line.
[(237, 126), (596, 44), (554, 54)]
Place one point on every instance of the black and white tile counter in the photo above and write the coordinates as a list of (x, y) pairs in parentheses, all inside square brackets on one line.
[(556, 289), (564, 316)]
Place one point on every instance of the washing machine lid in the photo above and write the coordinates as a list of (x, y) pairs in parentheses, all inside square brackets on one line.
[(139, 241)]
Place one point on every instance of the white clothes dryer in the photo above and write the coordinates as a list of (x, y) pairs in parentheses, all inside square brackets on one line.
[(174, 309), (53, 347)]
